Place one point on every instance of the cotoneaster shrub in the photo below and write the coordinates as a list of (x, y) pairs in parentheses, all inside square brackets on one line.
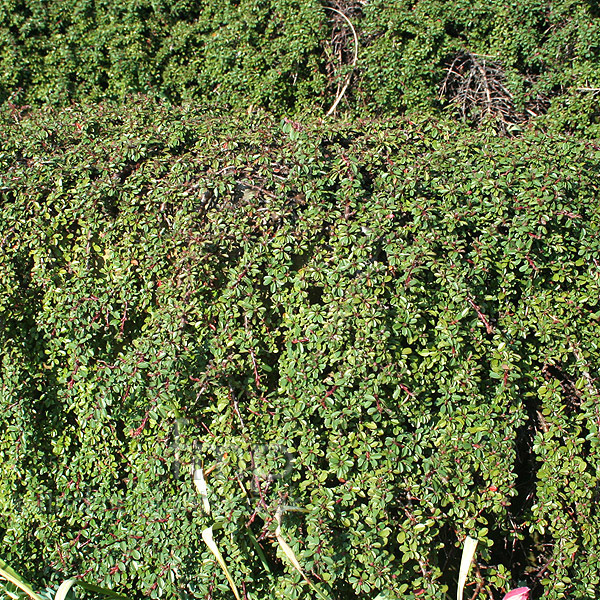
[(547, 50), (291, 56), (241, 53), (389, 330)]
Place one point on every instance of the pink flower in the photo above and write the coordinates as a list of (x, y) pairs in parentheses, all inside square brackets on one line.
[(521, 593)]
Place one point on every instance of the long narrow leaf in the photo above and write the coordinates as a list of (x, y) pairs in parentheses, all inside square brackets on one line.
[(207, 536), (90, 587), (10, 575), (465, 565), (66, 586), (260, 552), (290, 553), (200, 483), (11, 595)]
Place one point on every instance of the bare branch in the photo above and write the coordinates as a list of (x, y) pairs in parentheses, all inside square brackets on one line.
[(476, 85), (348, 77)]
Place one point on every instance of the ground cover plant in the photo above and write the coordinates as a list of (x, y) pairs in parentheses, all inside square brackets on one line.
[(14, 586), (372, 339), (512, 61)]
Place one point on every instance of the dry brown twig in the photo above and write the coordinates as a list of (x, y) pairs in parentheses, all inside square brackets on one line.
[(592, 90), (476, 85), (343, 87)]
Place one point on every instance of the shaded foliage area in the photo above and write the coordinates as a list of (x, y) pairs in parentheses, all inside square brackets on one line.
[(390, 326), (291, 56)]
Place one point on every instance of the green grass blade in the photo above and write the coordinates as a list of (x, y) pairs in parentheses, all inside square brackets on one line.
[(260, 552), (90, 587), (10, 575), (66, 586)]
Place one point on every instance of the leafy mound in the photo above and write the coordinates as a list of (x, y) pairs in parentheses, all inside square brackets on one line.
[(387, 332), (508, 61)]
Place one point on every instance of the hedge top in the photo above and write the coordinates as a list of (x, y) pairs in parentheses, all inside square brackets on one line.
[(389, 331), (510, 61)]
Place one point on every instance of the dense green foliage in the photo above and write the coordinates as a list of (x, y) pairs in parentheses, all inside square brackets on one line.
[(290, 55), (390, 326)]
